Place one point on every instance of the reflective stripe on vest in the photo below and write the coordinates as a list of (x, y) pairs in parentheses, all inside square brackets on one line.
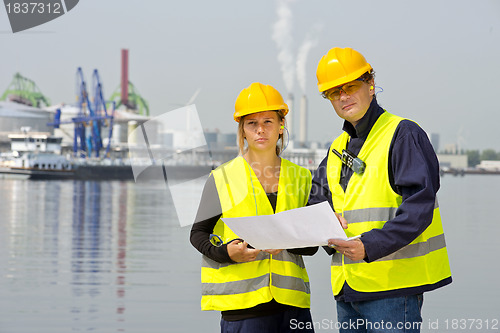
[(373, 214), (368, 202), (248, 285), (282, 277)]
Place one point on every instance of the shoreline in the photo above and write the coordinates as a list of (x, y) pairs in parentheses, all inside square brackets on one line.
[(472, 171)]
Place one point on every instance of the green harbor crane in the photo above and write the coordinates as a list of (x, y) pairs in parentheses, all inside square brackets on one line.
[(25, 91), (134, 101)]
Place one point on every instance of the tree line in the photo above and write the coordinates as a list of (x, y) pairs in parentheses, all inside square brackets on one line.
[(474, 157)]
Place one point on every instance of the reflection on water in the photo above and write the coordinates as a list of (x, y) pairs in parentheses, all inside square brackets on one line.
[(111, 257), (94, 256), (94, 259)]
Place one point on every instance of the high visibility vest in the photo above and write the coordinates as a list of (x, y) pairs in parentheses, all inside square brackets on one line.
[(283, 276), (367, 203)]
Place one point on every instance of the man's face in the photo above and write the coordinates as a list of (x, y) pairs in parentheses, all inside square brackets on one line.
[(352, 107)]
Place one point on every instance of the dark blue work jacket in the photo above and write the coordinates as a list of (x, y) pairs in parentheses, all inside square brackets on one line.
[(413, 173)]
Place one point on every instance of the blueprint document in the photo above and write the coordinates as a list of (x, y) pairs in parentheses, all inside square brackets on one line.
[(300, 227)]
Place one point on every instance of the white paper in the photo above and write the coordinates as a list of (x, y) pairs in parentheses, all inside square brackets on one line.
[(300, 227)]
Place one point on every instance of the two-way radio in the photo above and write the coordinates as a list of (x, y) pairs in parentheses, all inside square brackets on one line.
[(351, 160)]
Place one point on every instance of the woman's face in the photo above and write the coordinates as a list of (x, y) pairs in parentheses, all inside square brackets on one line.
[(262, 130)]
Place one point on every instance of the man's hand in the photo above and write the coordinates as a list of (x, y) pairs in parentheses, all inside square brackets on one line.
[(342, 220), (239, 252), (353, 249)]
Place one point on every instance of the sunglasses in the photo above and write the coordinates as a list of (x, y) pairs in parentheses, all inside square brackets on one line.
[(348, 88)]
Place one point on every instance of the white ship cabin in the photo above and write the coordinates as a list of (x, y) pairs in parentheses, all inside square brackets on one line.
[(37, 151), (42, 161), (489, 165), (35, 142)]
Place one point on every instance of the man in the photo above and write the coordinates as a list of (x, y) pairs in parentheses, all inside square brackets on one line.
[(381, 176)]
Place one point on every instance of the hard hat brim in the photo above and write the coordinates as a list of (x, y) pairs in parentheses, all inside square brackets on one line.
[(237, 115)]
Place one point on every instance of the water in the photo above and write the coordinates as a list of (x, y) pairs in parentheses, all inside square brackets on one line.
[(111, 257)]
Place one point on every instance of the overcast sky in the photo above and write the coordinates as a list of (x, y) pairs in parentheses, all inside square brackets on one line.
[(437, 61)]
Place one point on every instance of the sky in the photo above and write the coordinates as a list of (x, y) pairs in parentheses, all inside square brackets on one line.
[(437, 61)]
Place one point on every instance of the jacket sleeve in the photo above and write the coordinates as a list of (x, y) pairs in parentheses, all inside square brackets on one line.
[(414, 168), (209, 212)]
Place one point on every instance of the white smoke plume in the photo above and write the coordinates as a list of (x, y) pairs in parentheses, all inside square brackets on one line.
[(282, 36), (310, 41)]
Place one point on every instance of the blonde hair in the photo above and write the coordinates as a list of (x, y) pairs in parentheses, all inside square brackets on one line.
[(241, 134)]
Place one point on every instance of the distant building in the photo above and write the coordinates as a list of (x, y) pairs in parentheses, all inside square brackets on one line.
[(211, 138), (452, 161), (451, 148), (217, 140), (227, 140), (435, 141), (13, 116)]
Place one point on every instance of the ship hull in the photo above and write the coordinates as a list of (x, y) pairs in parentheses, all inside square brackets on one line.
[(35, 174), (172, 174)]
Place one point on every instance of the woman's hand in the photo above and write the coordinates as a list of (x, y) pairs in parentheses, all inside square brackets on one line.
[(239, 252)]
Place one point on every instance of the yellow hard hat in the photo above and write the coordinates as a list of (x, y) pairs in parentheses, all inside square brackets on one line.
[(340, 66), (258, 97)]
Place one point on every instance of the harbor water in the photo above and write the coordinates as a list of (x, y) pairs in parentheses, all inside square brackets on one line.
[(110, 256)]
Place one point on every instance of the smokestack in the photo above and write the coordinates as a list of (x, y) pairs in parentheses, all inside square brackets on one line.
[(124, 83), (303, 120), (289, 117)]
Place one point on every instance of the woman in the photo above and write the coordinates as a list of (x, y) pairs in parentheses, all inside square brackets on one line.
[(257, 291)]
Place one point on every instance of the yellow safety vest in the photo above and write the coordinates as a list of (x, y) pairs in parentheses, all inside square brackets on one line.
[(283, 276), (368, 202)]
